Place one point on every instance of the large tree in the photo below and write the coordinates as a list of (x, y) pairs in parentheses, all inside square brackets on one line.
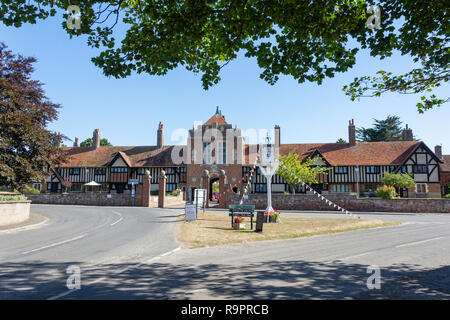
[(27, 148), (382, 130), (88, 142), (309, 40)]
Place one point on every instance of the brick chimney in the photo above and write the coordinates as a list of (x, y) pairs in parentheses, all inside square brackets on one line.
[(407, 134), (96, 139), (351, 133), (57, 141), (160, 136), (277, 135), (76, 143), (438, 151)]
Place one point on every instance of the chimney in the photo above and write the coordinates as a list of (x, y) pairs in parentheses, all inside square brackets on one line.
[(407, 134), (57, 140), (96, 139), (160, 136), (438, 151), (351, 133), (76, 143), (277, 135), (394, 138)]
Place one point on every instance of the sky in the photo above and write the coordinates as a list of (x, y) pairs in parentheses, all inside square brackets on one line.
[(127, 111)]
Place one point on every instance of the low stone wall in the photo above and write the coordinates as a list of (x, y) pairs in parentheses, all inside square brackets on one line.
[(84, 199), (12, 212), (313, 203), (99, 199)]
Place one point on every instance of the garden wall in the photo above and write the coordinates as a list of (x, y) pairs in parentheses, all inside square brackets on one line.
[(313, 203), (98, 199), (12, 212)]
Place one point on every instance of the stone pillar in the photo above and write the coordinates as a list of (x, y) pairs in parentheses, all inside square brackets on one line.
[(145, 194), (162, 189), (222, 190), (205, 184)]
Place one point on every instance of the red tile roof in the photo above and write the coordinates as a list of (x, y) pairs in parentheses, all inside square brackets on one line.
[(217, 118), (364, 153), (446, 165), (134, 156)]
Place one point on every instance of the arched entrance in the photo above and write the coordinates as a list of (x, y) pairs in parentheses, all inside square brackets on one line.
[(214, 191)]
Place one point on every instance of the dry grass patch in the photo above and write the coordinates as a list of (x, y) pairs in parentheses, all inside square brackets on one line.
[(215, 229)]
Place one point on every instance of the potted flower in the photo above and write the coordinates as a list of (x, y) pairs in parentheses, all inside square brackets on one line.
[(237, 222), (274, 216)]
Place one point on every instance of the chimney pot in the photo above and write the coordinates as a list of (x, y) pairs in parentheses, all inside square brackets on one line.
[(76, 143), (352, 133), (96, 139), (438, 151), (160, 136)]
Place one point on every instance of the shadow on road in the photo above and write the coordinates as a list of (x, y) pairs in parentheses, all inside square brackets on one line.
[(269, 280)]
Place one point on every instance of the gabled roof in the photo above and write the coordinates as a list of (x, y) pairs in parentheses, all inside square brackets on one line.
[(217, 118), (134, 156), (342, 154)]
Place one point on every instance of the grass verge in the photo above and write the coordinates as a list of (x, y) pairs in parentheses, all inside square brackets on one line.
[(211, 229)]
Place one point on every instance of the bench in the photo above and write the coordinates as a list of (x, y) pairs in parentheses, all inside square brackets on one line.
[(240, 210)]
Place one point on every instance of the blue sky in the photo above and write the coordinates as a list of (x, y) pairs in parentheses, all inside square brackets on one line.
[(127, 111)]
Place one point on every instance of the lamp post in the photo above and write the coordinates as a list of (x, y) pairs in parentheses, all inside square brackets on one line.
[(268, 167)]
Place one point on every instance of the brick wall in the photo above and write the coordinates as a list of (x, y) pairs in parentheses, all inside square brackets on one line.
[(312, 202), (99, 199)]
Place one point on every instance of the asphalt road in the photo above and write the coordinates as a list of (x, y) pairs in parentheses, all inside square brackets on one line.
[(33, 263), (120, 258)]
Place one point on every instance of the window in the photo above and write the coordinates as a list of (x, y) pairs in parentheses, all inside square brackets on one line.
[(182, 169), (207, 153), (222, 158), (341, 170), (340, 188), (37, 186), (372, 169), (75, 188), (100, 171), (419, 168), (245, 170), (74, 171), (421, 188), (119, 170), (404, 169), (260, 188)]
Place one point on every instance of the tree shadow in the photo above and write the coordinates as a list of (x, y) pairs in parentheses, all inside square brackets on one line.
[(266, 280)]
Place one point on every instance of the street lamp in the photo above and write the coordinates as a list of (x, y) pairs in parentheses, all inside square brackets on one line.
[(268, 168)]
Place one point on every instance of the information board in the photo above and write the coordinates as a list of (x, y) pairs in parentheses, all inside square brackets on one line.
[(191, 212)]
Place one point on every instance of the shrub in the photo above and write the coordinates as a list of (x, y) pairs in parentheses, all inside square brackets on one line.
[(43, 192), (386, 192), (31, 191), (12, 198), (447, 196), (176, 192)]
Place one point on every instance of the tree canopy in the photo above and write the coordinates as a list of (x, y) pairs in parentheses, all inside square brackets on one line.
[(88, 143), (308, 40), (398, 180), (295, 170), (382, 130), (27, 148)]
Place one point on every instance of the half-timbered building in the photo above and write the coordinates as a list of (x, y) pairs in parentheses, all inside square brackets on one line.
[(353, 165)]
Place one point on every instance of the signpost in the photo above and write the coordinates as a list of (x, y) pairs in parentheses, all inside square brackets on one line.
[(133, 183), (190, 212), (200, 198)]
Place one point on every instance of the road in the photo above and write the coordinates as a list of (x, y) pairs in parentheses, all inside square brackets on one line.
[(122, 260), (33, 263)]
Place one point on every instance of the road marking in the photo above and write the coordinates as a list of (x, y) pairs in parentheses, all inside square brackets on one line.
[(356, 255), (55, 244), (120, 219), (418, 242), (65, 293)]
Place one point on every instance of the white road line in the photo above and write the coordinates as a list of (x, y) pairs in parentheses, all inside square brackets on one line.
[(418, 242), (120, 219), (123, 270), (55, 244), (356, 255), (63, 294)]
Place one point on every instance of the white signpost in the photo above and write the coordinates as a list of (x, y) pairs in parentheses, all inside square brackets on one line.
[(191, 212), (200, 198)]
